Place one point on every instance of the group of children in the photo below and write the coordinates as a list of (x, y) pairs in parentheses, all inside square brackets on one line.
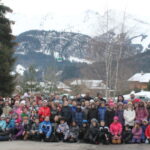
[(79, 120)]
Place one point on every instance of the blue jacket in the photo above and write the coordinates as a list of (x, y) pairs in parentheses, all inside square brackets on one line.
[(2, 124), (78, 116), (101, 113), (46, 128), (11, 124)]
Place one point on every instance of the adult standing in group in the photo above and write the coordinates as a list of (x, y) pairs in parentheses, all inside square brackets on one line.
[(66, 112)]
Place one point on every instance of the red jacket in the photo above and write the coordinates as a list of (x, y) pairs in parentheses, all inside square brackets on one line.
[(116, 128), (147, 131), (44, 112)]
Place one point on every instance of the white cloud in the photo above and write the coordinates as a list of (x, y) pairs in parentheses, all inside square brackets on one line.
[(28, 13)]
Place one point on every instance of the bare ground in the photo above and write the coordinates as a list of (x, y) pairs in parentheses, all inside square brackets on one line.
[(28, 145)]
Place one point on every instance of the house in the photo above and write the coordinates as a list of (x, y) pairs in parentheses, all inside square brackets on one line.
[(90, 84), (139, 80)]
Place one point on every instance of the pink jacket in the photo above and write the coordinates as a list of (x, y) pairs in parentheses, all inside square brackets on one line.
[(116, 128)]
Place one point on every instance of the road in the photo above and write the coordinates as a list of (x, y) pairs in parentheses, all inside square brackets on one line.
[(28, 145)]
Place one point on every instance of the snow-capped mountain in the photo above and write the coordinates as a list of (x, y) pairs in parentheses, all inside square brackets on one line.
[(65, 45)]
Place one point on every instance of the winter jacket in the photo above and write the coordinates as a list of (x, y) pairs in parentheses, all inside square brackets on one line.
[(11, 124), (92, 113), (1, 110), (35, 127), (73, 108), (74, 132), (137, 133), (127, 136), (82, 132), (64, 129), (101, 113), (19, 131), (129, 116), (86, 110), (44, 111), (7, 110), (2, 125), (67, 113), (46, 128), (119, 113), (109, 115), (78, 116), (27, 127), (147, 132), (116, 128), (141, 114), (143, 132)]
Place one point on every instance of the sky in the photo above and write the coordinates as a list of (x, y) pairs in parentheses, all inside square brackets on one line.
[(28, 14)]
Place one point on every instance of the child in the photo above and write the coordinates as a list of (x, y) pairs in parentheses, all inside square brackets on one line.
[(27, 127), (137, 133), (73, 132), (104, 133), (127, 135), (92, 135), (83, 130), (45, 129), (2, 123), (63, 130), (34, 133), (144, 126), (17, 131), (116, 131), (147, 134)]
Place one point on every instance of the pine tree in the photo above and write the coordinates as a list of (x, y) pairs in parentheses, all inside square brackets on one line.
[(7, 59)]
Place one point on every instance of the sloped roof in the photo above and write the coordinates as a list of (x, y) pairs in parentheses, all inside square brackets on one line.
[(140, 77)]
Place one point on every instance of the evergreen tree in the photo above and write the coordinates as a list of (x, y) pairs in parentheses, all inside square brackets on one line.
[(7, 60)]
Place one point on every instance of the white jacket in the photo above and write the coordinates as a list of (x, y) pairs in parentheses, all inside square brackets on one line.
[(129, 117)]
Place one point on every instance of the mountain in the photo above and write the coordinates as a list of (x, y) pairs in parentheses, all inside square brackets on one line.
[(57, 44), (68, 52)]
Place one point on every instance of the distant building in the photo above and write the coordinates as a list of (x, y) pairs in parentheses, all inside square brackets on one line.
[(90, 84), (139, 80)]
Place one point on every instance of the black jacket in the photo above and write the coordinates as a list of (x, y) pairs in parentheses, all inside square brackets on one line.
[(92, 113), (67, 113), (109, 116)]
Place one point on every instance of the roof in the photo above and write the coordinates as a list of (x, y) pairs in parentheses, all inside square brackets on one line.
[(140, 77)]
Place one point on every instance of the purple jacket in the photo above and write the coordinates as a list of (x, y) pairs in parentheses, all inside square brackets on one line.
[(141, 114), (20, 130), (137, 133)]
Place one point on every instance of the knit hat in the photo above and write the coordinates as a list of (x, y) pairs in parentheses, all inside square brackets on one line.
[(84, 121), (94, 120)]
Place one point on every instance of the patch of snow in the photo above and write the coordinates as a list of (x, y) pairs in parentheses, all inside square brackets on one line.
[(140, 77), (79, 60), (20, 53), (91, 84), (20, 69)]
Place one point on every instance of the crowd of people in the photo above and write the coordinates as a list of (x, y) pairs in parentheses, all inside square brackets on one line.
[(82, 119)]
